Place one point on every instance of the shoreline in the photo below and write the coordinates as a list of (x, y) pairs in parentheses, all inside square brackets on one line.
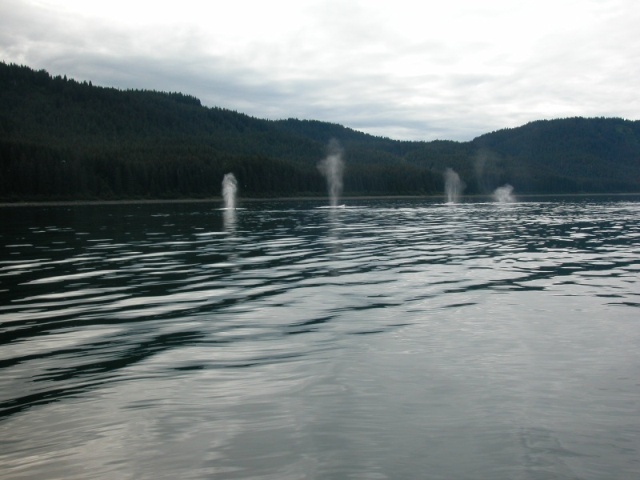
[(65, 203)]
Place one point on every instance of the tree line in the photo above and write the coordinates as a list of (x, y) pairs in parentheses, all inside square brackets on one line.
[(64, 139)]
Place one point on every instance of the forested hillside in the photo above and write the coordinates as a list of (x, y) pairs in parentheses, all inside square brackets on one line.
[(63, 139)]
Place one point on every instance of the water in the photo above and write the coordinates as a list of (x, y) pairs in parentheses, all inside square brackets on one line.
[(396, 339)]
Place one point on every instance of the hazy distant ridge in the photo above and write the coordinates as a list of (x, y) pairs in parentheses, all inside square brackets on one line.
[(62, 139)]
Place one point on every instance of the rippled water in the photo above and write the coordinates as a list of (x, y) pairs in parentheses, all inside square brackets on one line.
[(396, 339)]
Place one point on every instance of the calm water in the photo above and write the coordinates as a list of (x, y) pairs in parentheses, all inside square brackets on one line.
[(397, 339)]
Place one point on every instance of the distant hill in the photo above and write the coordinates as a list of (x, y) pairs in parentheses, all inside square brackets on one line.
[(63, 139)]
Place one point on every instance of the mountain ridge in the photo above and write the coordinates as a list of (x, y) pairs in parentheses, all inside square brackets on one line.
[(63, 139)]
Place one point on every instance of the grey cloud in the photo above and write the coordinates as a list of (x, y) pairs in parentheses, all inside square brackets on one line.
[(353, 81)]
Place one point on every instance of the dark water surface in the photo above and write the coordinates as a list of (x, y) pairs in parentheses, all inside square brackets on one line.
[(396, 339)]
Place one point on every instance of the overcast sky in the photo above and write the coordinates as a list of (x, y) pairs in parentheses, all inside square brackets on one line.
[(417, 70)]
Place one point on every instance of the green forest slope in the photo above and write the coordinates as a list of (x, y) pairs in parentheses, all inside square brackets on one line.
[(63, 139)]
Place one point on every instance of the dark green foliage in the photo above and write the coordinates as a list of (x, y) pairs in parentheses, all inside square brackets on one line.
[(63, 139), (570, 155)]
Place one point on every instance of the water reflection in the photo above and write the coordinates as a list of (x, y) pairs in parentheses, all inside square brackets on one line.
[(334, 225), (230, 218), (282, 341)]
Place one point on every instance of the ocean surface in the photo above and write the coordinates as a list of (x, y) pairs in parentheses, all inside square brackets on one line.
[(389, 339)]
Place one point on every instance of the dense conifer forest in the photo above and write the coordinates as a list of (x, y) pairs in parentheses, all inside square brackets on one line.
[(61, 139)]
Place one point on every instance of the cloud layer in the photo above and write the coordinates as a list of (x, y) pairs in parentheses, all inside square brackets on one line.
[(448, 70)]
